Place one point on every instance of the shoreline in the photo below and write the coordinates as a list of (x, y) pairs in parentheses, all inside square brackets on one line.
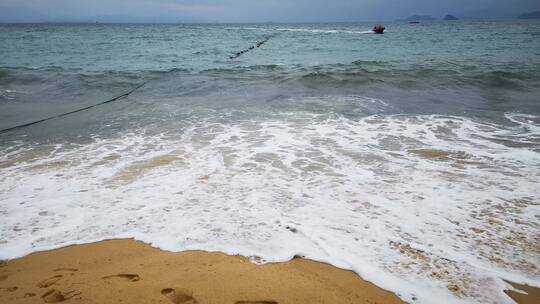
[(129, 271)]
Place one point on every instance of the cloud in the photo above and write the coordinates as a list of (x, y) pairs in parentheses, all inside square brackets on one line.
[(254, 10)]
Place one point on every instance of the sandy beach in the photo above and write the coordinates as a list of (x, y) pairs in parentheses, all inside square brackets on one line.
[(265, 152), (127, 271)]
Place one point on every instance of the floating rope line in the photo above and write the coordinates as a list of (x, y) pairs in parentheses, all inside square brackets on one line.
[(236, 55), (75, 111), (259, 44)]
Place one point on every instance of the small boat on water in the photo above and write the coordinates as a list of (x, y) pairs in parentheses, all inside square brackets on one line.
[(378, 29), (414, 22)]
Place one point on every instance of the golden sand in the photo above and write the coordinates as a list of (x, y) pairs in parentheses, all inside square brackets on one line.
[(532, 296), (127, 271)]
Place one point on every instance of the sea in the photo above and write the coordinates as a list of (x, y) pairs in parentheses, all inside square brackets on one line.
[(411, 158)]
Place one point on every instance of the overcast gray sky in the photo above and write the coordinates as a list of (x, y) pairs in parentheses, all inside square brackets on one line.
[(254, 10)]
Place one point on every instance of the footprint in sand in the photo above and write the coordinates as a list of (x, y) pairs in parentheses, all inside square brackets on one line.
[(179, 296), (9, 289), (50, 281), (55, 296), (256, 302), (3, 277), (125, 276)]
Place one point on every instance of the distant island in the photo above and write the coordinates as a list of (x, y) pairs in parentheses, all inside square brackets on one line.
[(532, 15), (450, 17)]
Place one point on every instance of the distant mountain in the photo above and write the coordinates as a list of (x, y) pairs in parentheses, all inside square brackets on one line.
[(450, 17), (532, 15), (419, 18)]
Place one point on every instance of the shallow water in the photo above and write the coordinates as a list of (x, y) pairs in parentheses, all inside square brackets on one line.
[(412, 158)]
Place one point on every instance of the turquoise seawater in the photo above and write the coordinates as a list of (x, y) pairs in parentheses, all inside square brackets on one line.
[(467, 68), (376, 149)]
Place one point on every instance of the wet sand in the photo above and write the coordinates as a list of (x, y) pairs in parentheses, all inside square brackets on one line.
[(127, 271), (532, 296)]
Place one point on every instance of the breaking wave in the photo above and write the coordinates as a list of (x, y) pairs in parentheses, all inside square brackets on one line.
[(432, 207)]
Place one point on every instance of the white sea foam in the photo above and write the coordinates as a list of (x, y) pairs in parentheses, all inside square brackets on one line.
[(303, 30), (9, 94), (320, 31), (438, 209)]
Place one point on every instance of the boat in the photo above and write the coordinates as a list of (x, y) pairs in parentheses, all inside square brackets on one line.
[(414, 22), (378, 29)]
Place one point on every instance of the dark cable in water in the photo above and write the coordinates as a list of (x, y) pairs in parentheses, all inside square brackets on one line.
[(259, 44), (75, 111), (238, 54)]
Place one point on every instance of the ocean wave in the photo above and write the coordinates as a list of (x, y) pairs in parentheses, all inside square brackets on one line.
[(51, 84), (507, 77), (362, 194)]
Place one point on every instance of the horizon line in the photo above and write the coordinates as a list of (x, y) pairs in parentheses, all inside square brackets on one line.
[(245, 22)]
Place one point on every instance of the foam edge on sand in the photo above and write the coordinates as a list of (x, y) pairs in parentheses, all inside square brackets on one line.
[(131, 271)]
